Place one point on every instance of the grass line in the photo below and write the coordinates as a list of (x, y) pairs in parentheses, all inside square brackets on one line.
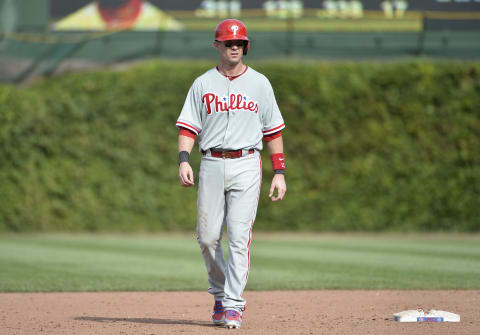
[(67, 262)]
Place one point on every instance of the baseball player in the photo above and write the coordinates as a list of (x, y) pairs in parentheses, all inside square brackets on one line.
[(231, 109)]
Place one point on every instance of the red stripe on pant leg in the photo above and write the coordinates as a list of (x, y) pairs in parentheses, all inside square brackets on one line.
[(254, 214), (248, 247)]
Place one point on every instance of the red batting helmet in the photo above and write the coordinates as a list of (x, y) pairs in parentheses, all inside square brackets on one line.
[(232, 29)]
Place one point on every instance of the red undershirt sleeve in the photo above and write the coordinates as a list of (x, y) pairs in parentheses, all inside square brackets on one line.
[(268, 138), (187, 132)]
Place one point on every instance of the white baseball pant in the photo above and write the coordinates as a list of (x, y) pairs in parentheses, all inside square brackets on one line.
[(228, 193)]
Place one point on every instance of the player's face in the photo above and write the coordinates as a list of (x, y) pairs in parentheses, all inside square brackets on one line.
[(230, 51)]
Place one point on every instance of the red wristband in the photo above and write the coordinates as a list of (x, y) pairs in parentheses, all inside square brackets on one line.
[(278, 161)]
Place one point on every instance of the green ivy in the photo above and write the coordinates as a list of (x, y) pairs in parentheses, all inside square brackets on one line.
[(369, 147)]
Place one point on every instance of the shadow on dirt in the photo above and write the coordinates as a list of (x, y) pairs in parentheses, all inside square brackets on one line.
[(146, 320)]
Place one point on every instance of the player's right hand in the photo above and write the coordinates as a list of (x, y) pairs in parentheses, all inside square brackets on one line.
[(185, 174)]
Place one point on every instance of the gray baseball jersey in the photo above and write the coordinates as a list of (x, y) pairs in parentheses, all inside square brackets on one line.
[(229, 114)]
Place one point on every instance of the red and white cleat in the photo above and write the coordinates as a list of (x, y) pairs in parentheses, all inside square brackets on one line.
[(233, 319)]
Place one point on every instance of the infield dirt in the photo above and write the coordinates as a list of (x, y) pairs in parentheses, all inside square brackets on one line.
[(268, 312)]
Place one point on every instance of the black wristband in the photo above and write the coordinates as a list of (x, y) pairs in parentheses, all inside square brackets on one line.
[(279, 172), (183, 156)]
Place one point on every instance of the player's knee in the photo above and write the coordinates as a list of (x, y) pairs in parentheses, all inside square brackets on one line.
[(238, 245), (208, 241)]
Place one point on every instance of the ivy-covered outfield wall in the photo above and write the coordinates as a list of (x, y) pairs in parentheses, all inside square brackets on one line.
[(369, 147)]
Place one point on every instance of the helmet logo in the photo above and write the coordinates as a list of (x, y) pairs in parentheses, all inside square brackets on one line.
[(234, 29)]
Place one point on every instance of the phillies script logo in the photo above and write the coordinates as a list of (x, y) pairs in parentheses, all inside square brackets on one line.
[(224, 104)]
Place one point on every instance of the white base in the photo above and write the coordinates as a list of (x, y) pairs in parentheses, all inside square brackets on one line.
[(419, 315)]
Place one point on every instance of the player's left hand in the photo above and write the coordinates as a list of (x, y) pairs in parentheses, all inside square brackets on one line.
[(278, 183)]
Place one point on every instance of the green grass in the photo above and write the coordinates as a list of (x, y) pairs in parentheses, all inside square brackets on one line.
[(61, 262)]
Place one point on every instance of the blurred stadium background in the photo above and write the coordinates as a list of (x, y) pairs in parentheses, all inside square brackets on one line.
[(39, 37)]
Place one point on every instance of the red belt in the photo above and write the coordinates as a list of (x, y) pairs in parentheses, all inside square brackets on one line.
[(227, 154)]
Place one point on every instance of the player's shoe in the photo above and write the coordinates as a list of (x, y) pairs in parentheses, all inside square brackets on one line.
[(233, 319), (218, 315)]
